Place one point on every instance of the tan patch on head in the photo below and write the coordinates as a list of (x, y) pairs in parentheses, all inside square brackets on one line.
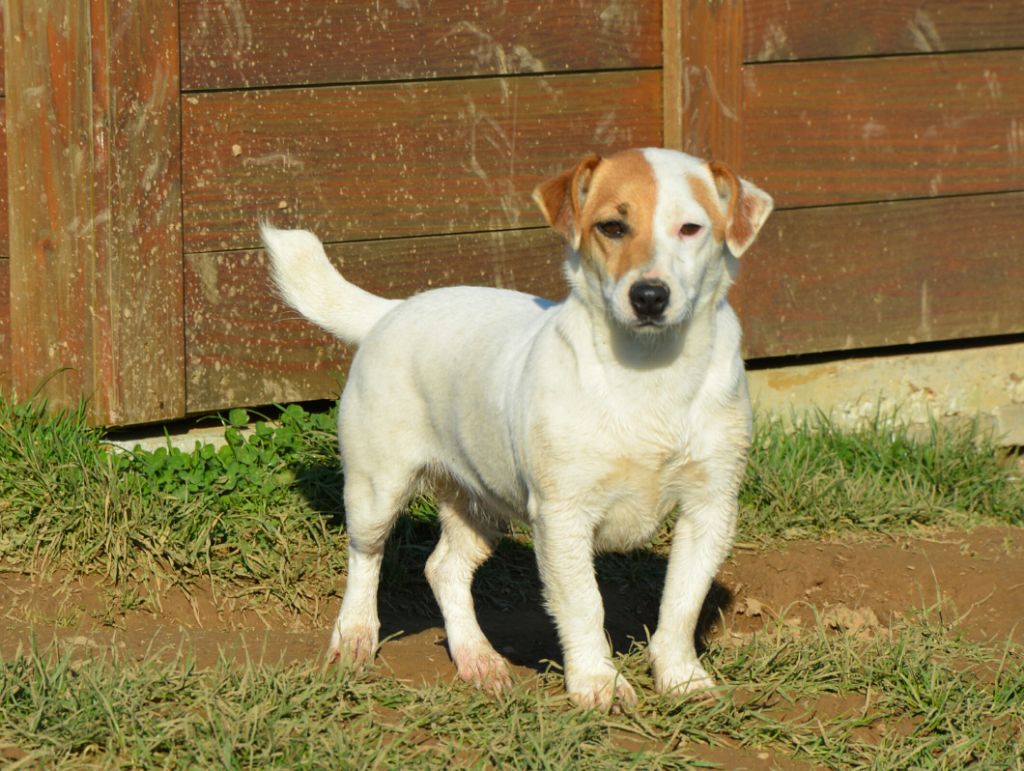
[(709, 200), (623, 187)]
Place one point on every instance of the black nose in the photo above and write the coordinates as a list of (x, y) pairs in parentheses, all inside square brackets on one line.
[(649, 299)]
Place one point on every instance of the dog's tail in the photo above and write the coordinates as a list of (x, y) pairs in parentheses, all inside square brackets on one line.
[(310, 284)]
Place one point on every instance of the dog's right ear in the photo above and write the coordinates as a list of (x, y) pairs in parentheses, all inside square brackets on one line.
[(561, 199)]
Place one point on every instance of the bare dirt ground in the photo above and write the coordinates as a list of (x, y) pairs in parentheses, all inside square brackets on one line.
[(976, 577)]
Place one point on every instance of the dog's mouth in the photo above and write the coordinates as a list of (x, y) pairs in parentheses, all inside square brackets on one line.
[(653, 324)]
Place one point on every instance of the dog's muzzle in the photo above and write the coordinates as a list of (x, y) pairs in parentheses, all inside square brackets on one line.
[(649, 300)]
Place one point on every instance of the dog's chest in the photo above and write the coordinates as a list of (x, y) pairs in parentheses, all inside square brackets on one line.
[(637, 491)]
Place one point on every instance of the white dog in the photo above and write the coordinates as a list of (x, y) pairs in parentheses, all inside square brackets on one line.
[(592, 419)]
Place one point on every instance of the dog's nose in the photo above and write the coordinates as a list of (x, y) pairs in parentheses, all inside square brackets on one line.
[(649, 299)]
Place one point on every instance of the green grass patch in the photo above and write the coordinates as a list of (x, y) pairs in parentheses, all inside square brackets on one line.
[(260, 517), (905, 700), (260, 511), (815, 479), (264, 510)]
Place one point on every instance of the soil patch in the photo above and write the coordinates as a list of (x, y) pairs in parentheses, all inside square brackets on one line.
[(975, 578)]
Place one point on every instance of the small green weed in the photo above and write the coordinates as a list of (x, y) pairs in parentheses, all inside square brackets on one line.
[(261, 465)]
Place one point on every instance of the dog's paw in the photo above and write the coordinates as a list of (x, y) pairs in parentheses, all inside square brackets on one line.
[(354, 646), (682, 680), (607, 691), (483, 667)]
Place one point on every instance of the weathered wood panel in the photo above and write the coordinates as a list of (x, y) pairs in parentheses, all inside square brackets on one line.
[(139, 345), (246, 347), (822, 29), (49, 145), (242, 43), (846, 277), (703, 86), (95, 206), (406, 159), (2, 53), (4, 224), (819, 133)]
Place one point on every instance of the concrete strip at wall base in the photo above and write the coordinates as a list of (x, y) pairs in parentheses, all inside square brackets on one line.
[(185, 438), (987, 382)]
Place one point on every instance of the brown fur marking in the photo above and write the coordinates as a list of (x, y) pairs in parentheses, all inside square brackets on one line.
[(711, 203), (622, 187), (739, 226)]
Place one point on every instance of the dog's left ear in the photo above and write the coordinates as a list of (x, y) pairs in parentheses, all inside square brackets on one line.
[(561, 199), (746, 205)]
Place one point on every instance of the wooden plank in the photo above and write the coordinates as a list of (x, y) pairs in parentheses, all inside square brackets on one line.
[(95, 206), (819, 133), (48, 144), (703, 87), (4, 223), (840, 278), (139, 339), (2, 54), (246, 347), (358, 162), (244, 43), (778, 30)]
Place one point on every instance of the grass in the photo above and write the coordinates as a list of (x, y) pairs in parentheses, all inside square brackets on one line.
[(817, 480), (258, 511), (260, 517), (265, 509), (908, 701)]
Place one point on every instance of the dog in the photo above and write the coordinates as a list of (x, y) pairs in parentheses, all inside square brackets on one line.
[(592, 420)]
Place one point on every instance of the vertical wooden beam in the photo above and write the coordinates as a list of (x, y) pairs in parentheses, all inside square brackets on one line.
[(95, 208), (137, 214), (702, 76), (49, 149)]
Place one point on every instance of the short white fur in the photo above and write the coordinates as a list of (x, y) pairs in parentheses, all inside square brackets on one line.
[(572, 416)]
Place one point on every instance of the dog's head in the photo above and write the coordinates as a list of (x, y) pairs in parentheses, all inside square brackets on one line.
[(651, 231)]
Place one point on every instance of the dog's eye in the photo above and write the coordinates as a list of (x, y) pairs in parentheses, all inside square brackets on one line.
[(613, 228), (690, 229)]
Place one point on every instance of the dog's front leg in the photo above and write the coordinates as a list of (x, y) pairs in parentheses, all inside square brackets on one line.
[(563, 540), (700, 542)]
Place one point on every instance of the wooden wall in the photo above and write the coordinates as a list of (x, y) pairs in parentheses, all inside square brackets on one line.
[(92, 116), (892, 137), (147, 137), (408, 140)]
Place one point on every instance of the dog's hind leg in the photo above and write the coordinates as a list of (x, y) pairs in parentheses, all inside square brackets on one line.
[(463, 546), (371, 507)]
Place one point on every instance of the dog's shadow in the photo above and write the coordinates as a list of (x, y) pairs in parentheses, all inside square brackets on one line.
[(510, 606), (507, 588)]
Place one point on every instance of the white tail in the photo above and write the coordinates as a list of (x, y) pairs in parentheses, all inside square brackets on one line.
[(310, 284)]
